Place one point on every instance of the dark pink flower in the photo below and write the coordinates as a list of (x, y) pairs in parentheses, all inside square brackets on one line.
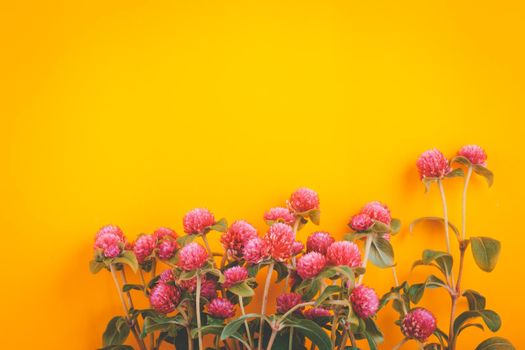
[(310, 265), (344, 253), (197, 220), (419, 324), (164, 298), (377, 211), (287, 301), (304, 199), (208, 287), (432, 163), (316, 312), (475, 154), (221, 308), (279, 214), (256, 250), (167, 248), (280, 239), (364, 301), (192, 256), (234, 275), (144, 247), (233, 240), (361, 222), (319, 242), (167, 276)]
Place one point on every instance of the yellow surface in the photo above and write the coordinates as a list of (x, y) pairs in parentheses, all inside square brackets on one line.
[(132, 113)]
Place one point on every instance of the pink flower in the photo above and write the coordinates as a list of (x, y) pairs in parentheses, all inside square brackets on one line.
[(364, 301), (280, 239), (474, 153), (144, 247), (287, 301), (110, 241), (192, 256), (432, 163), (112, 251), (310, 265), (112, 229), (234, 275), (167, 276), (361, 222), (279, 214), (304, 199), (167, 249), (221, 308), (344, 253), (197, 220), (377, 211), (256, 250), (163, 232), (233, 240), (164, 298), (419, 324), (297, 247), (319, 242), (316, 312), (208, 287)]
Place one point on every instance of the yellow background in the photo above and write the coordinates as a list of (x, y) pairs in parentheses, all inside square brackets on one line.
[(133, 112)]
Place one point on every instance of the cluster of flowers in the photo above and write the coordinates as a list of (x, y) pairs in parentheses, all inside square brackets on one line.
[(197, 295)]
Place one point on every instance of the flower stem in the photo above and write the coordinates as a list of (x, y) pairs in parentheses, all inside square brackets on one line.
[(241, 304), (190, 341), (198, 310), (290, 339), (264, 302), (208, 248), (272, 339), (452, 338), (368, 245), (445, 214), (464, 204), (394, 273), (400, 344)]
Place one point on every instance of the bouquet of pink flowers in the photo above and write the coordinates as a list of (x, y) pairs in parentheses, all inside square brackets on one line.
[(200, 296)]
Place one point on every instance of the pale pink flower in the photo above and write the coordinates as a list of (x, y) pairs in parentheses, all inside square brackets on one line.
[(197, 220), (143, 247), (164, 298), (279, 214), (287, 301), (256, 250), (192, 256), (280, 239), (364, 301), (344, 253), (475, 154), (221, 308), (316, 312), (377, 211), (233, 240), (112, 229), (304, 199), (234, 275), (319, 242), (419, 323), (310, 265), (361, 222), (109, 241), (432, 163)]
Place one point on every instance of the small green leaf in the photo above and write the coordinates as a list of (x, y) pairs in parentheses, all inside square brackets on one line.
[(374, 331), (327, 292), (461, 160), (282, 271), (128, 258), (381, 253), (157, 322), (187, 275), (209, 329), (486, 173), (95, 266), (315, 216), (486, 252), (242, 289), (312, 331), (234, 325), (127, 287), (475, 300), (455, 173), (491, 319), (215, 272), (495, 343), (395, 226), (220, 226), (116, 332), (183, 240), (380, 227), (443, 260)]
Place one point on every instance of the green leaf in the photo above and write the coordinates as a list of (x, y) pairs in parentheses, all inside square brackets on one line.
[(491, 319), (381, 253), (129, 259), (461, 160), (495, 343), (486, 252), (282, 271), (234, 325), (209, 329), (117, 347), (127, 287), (327, 292), (183, 240), (116, 332), (486, 173), (309, 293), (427, 181), (380, 227), (395, 226), (475, 300), (215, 272), (432, 219), (455, 173), (95, 266), (156, 323), (312, 331), (443, 260), (315, 216), (220, 226), (242, 289), (187, 275), (415, 292), (373, 330)]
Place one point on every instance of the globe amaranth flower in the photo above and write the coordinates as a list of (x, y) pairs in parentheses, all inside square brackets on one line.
[(475, 154), (143, 247), (377, 211), (163, 232), (192, 256), (361, 222), (297, 247), (164, 298), (208, 287), (316, 313), (256, 250), (167, 276), (344, 253), (319, 242), (234, 275), (364, 301), (166, 243), (304, 199), (419, 324), (287, 301), (279, 214), (197, 220), (112, 229), (221, 308), (432, 163), (310, 265), (110, 241), (234, 240), (280, 239)]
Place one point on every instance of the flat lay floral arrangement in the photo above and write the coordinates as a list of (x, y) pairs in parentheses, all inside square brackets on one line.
[(198, 297)]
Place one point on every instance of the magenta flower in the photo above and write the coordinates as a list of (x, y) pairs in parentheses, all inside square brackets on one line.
[(287, 301), (279, 214), (377, 211), (167, 276), (110, 241), (167, 249), (112, 251), (221, 308), (475, 154), (361, 222), (297, 247), (234, 275), (419, 324), (233, 240), (319, 242), (163, 232), (344, 253), (432, 163), (304, 199), (280, 239), (208, 287), (197, 220), (112, 229), (364, 301), (310, 265), (316, 312), (144, 247), (192, 256), (164, 298), (256, 250)]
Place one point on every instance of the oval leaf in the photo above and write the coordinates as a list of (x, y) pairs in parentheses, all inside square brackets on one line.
[(486, 252), (495, 343), (381, 253)]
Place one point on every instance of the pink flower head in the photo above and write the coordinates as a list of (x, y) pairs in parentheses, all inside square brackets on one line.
[(239, 233), (112, 229), (167, 276), (163, 232), (164, 298), (474, 153), (319, 242), (344, 253), (221, 308), (167, 248), (287, 301), (256, 250), (419, 323), (364, 301), (280, 239), (192, 256), (279, 214), (316, 312), (112, 251), (297, 247), (310, 265), (432, 163), (144, 247), (110, 241), (208, 287), (361, 222), (234, 275), (377, 211), (304, 199), (197, 220)]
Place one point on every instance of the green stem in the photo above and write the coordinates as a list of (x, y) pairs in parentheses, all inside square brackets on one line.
[(208, 248), (400, 344), (445, 214), (265, 302), (368, 245), (198, 310), (290, 339), (452, 337), (464, 204), (241, 304), (272, 339)]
